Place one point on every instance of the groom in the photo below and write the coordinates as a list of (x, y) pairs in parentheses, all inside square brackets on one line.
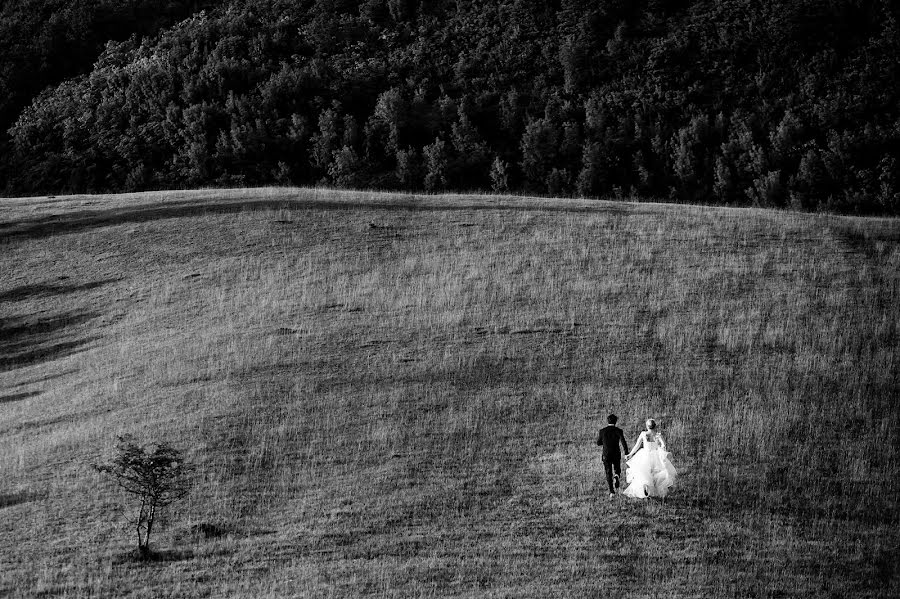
[(609, 438)]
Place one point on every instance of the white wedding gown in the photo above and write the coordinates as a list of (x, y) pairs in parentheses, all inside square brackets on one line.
[(650, 470)]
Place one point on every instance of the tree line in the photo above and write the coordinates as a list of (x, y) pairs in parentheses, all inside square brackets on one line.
[(790, 103)]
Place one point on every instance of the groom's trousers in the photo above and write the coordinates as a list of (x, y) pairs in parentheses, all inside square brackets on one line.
[(612, 465)]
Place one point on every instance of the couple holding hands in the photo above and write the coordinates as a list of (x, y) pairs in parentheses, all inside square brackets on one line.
[(650, 471)]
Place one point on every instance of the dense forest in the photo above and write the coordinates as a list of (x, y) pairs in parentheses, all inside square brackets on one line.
[(791, 103)]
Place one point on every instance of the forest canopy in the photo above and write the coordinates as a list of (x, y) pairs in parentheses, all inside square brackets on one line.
[(790, 103)]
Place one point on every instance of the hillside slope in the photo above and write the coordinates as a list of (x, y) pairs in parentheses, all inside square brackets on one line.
[(397, 395)]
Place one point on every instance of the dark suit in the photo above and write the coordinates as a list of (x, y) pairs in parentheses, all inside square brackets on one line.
[(609, 439)]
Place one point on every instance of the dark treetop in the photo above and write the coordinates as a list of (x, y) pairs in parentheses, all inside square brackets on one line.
[(783, 103)]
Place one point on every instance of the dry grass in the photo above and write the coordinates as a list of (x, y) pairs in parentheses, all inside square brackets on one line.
[(398, 395)]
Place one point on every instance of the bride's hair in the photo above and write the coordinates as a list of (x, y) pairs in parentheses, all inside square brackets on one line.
[(651, 424)]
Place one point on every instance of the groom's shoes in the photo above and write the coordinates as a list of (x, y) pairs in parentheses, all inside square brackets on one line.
[(616, 481), (612, 495)]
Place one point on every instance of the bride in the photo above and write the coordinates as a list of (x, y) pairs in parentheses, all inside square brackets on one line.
[(650, 471)]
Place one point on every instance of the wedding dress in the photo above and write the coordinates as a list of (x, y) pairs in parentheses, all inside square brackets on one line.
[(650, 470)]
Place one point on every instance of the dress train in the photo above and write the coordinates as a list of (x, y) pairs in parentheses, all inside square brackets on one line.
[(650, 471)]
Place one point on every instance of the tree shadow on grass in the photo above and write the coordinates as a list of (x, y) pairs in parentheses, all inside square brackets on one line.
[(25, 341), (154, 556), (85, 220), (48, 377), (12, 499), (18, 396), (24, 292)]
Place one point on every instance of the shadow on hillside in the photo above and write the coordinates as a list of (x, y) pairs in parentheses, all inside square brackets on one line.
[(874, 240), (164, 556), (11, 499), (18, 396), (48, 377), (24, 292), (92, 219), (25, 341)]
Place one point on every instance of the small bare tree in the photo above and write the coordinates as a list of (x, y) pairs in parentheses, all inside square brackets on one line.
[(156, 475)]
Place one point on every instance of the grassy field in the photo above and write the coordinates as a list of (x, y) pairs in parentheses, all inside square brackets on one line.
[(397, 396)]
